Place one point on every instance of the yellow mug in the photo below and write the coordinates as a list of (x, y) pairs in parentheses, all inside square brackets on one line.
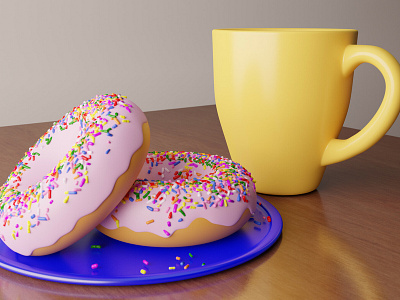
[(282, 96)]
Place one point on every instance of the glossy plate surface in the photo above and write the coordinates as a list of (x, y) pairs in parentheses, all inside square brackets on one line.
[(99, 260)]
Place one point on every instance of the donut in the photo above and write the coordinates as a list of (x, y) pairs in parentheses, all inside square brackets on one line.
[(183, 199), (74, 176)]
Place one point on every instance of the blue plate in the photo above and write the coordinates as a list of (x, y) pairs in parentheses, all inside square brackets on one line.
[(118, 263)]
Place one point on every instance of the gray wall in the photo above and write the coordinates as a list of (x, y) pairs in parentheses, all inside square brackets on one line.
[(55, 54)]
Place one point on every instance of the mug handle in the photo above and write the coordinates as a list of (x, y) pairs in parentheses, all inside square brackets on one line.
[(338, 150)]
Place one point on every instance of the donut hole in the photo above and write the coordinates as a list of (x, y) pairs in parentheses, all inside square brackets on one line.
[(51, 152), (163, 172)]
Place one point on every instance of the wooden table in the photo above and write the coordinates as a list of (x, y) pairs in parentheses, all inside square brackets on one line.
[(341, 241)]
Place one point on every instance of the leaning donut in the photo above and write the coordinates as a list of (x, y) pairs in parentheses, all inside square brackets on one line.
[(183, 199), (74, 176)]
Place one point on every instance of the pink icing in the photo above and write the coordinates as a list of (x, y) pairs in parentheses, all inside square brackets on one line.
[(105, 156), (148, 208)]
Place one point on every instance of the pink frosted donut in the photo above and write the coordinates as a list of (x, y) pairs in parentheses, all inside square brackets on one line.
[(183, 199), (73, 176)]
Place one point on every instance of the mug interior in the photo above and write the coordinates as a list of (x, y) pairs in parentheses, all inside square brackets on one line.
[(289, 30)]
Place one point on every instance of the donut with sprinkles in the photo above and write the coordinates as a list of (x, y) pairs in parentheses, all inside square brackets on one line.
[(74, 175), (183, 199)]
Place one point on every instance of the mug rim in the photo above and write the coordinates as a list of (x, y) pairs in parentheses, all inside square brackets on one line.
[(288, 30)]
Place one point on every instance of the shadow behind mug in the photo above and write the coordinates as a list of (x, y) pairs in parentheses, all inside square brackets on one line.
[(282, 96)]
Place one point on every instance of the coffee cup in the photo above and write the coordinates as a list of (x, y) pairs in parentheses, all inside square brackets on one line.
[(282, 96)]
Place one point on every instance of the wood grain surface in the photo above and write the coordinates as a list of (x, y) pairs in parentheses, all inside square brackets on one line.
[(341, 241)]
